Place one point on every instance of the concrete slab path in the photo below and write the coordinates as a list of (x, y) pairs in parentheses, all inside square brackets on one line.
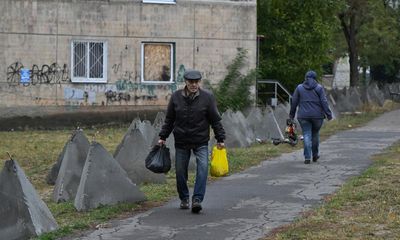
[(249, 204)]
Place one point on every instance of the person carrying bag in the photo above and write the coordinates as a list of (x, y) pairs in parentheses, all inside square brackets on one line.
[(219, 162), (190, 113), (159, 159)]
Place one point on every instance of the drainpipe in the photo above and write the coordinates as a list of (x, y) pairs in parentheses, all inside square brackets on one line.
[(194, 36), (259, 37), (58, 5)]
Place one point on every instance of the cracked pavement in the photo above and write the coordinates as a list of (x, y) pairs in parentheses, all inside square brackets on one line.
[(249, 204)]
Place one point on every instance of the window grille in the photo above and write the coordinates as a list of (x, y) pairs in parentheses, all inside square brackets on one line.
[(89, 61)]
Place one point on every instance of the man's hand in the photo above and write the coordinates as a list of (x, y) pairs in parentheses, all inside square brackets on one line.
[(161, 142), (220, 145)]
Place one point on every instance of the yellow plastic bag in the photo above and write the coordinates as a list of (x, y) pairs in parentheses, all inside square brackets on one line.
[(219, 162)]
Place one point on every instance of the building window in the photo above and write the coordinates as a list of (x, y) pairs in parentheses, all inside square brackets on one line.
[(160, 1), (157, 62), (89, 61)]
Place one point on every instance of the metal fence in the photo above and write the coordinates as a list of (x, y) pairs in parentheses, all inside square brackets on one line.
[(270, 92)]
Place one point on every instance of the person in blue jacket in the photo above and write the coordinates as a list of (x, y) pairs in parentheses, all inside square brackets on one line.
[(309, 97)]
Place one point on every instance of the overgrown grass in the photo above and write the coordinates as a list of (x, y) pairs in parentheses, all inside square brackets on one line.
[(36, 152), (366, 207)]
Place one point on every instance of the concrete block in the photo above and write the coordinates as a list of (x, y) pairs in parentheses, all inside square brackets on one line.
[(255, 119), (131, 156), (23, 213), (134, 124), (375, 95), (271, 124), (234, 135), (53, 173), (159, 121), (281, 114), (148, 131), (104, 182), (244, 127), (72, 164), (332, 106), (343, 103), (354, 99)]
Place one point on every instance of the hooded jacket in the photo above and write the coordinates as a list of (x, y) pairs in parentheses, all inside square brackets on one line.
[(310, 99)]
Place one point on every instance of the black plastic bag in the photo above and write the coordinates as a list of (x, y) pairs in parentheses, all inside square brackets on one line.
[(159, 159)]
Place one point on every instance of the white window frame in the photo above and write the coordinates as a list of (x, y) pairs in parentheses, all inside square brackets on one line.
[(160, 1), (172, 45), (87, 79)]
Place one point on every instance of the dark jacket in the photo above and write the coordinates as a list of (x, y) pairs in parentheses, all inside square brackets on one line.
[(311, 100), (191, 118)]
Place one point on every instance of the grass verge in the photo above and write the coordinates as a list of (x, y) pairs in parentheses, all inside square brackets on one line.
[(366, 207), (36, 152)]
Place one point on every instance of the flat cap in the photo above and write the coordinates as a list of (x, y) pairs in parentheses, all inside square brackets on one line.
[(191, 74)]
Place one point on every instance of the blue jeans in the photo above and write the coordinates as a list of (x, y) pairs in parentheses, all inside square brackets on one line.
[(310, 128), (182, 157)]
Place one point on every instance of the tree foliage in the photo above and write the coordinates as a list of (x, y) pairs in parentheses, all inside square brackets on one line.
[(298, 36), (379, 40), (371, 29), (303, 35), (352, 16), (233, 92)]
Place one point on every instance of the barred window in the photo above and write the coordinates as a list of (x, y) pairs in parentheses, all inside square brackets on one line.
[(89, 61), (157, 62)]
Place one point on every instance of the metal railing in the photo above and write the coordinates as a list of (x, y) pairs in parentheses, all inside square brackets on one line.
[(276, 96)]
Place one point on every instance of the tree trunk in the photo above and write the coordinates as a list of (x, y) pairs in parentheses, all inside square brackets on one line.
[(353, 61), (350, 33)]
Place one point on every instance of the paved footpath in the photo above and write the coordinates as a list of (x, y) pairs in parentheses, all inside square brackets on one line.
[(249, 204)]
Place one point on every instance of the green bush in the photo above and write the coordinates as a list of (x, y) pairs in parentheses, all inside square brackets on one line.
[(233, 92)]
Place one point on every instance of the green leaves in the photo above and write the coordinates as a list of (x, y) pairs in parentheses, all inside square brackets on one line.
[(233, 92), (298, 38)]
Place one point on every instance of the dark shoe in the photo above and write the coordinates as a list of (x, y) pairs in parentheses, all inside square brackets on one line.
[(196, 205), (184, 204), (314, 159), (307, 161)]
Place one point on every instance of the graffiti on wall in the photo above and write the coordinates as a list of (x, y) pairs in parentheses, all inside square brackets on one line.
[(113, 96), (99, 88), (48, 74), (75, 96), (125, 75), (116, 68), (128, 87), (126, 84), (45, 74), (138, 90), (181, 72), (13, 73)]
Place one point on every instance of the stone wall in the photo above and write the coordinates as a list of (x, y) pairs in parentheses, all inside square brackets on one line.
[(38, 35)]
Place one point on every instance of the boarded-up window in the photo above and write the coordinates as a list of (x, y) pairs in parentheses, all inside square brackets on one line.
[(157, 62)]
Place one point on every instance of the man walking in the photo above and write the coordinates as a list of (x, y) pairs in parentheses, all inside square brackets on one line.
[(191, 111)]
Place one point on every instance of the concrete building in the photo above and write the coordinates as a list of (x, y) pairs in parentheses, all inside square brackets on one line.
[(74, 56), (341, 73)]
